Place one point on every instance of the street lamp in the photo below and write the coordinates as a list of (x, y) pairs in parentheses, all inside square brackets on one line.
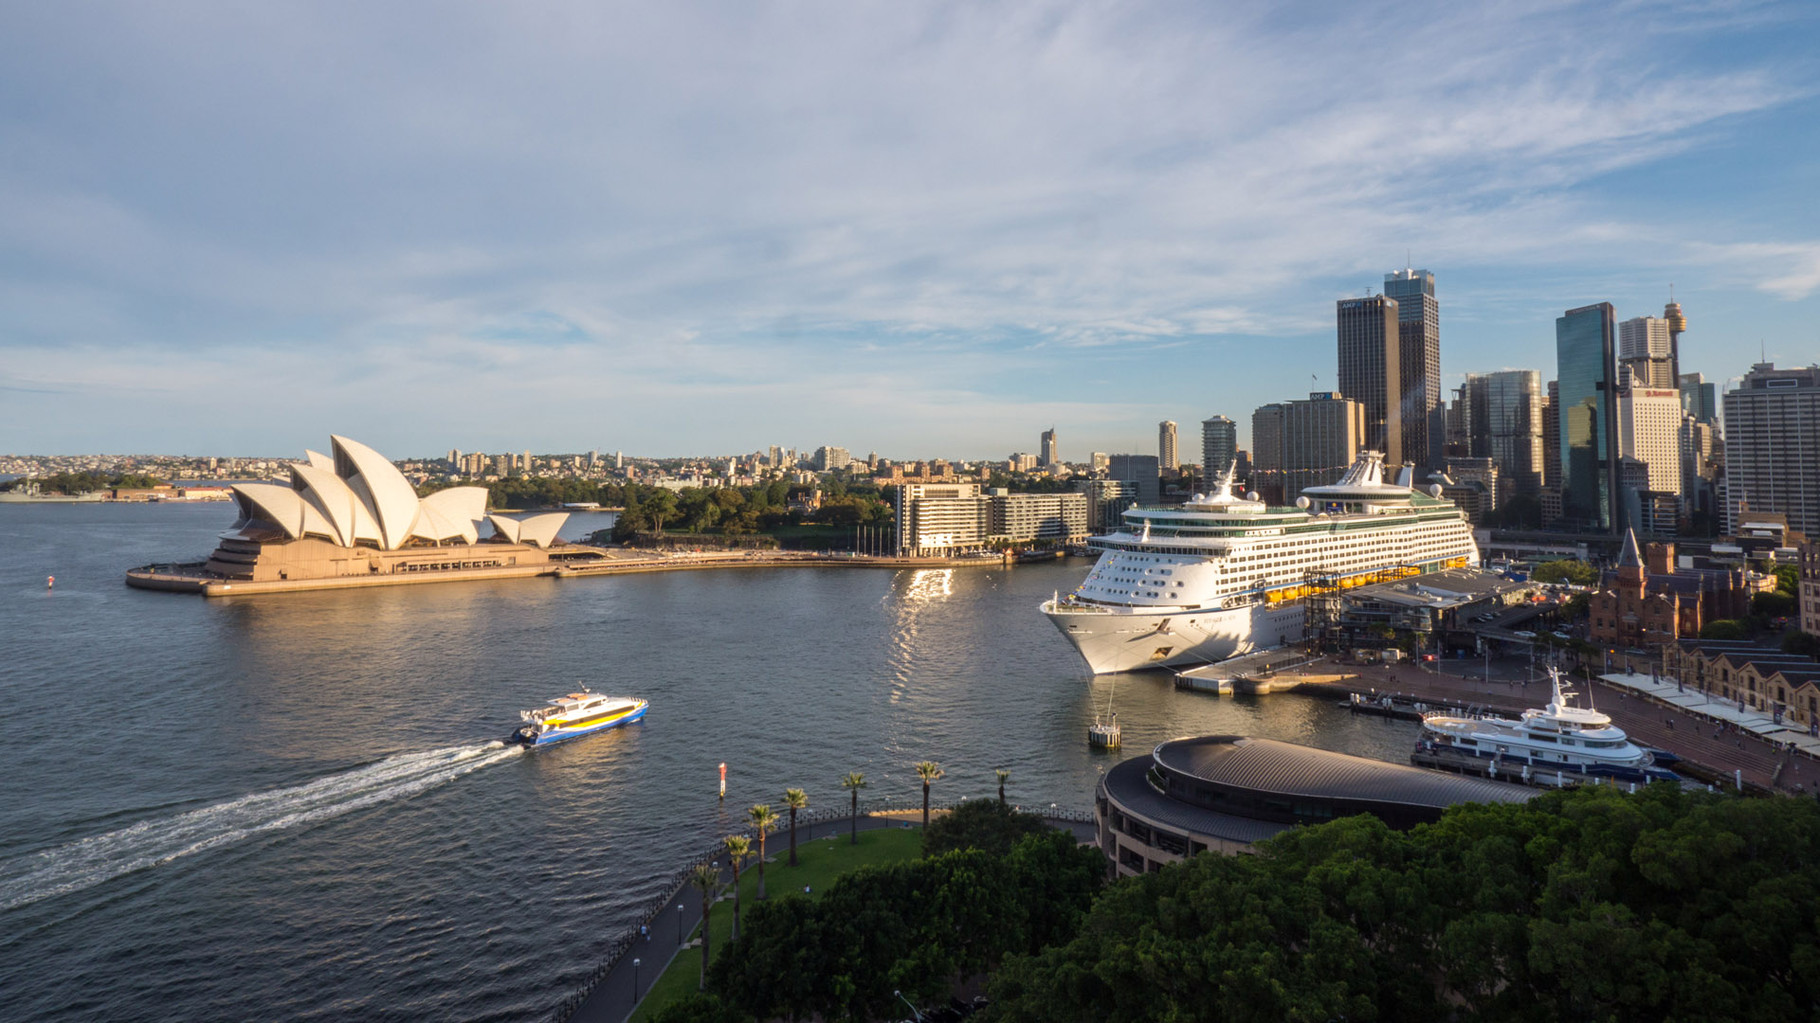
[(913, 1010), (635, 964)]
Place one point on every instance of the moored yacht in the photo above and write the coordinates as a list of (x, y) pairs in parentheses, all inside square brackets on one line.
[(1557, 739), (1225, 574), (576, 714)]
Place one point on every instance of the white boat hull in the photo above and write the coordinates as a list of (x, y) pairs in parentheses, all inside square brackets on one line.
[(1131, 640)]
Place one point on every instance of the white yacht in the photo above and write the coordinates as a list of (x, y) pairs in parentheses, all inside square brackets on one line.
[(1224, 574), (1557, 738)]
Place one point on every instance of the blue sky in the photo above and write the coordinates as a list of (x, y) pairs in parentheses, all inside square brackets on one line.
[(920, 229)]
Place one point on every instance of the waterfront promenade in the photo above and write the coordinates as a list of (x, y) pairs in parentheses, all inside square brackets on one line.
[(616, 990), (1711, 734), (573, 561)]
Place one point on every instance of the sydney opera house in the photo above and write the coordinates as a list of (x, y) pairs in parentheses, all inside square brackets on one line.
[(350, 518)]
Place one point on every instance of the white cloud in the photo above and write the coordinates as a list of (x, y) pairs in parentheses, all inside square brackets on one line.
[(776, 200)]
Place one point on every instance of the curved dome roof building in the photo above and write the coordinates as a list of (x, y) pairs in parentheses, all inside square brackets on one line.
[(358, 497)]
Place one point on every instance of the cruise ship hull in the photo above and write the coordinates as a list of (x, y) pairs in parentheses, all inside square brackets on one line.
[(1132, 640)]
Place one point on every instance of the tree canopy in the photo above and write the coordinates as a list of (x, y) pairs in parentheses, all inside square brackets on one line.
[(916, 927), (984, 824), (1582, 905), (1566, 570), (85, 482), (1725, 628)]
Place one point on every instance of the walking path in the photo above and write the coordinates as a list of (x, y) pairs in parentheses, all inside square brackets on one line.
[(616, 993)]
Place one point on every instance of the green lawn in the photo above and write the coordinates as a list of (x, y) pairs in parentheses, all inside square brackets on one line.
[(821, 861)]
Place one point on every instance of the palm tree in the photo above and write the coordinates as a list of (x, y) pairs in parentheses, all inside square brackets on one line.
[(853, 782), (1003, 776), (928, 771), (738, 848), (705, 878), (764, 820), (795, 799)]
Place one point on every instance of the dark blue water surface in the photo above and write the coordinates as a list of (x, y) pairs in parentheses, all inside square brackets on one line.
[(290, 807)]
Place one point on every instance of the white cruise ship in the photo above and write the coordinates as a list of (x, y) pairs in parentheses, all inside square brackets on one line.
[(1224, 575)]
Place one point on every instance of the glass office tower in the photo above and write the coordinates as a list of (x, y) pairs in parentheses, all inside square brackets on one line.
[(1587, 371), (1418, 364)]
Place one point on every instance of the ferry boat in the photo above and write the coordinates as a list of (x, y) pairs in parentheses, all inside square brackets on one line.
[(1557, 739), (1225, 574), (576, 714)]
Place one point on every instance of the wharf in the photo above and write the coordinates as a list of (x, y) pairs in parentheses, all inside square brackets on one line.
[(1714, 740), (1266, 671), (193, 578)]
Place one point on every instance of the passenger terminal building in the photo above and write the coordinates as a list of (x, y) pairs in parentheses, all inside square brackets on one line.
[(1225, 793)]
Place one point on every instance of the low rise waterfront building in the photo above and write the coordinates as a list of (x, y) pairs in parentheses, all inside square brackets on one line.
[(1755, 675), (1426, 605), (937, 520), (1225, 793)]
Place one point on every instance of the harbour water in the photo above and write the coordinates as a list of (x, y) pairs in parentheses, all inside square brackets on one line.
[(294, 807)]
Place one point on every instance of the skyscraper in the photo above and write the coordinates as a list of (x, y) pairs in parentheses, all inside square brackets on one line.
[(1049, 458), (1649, 441), (1267, 451), (1513, 425), (1418, 363), (1166, 455), (1646, 350), (1219, 446), (1587, 372), (1772, 446), (1551, 436), (1301, 444), (1371, 369), (1698, 398), (1474, 404)]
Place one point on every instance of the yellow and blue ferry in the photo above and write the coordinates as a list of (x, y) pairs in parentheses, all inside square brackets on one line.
[(576, 714)]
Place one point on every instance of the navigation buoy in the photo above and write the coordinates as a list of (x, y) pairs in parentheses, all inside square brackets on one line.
[(50, 582), (723, 780)]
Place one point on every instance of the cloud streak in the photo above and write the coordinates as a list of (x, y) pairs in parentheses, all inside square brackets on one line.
[(1082, 210)]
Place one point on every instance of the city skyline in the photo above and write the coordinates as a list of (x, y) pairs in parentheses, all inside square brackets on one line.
[(924, 232)]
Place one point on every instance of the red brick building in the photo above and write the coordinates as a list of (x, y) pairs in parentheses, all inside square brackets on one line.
[(1646, 602)]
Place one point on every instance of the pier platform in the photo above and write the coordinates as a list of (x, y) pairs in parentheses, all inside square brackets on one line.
[(1265, 671)]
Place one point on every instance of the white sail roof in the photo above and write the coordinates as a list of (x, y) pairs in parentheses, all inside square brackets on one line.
[(360, 497), (392, 499), (536, 530)]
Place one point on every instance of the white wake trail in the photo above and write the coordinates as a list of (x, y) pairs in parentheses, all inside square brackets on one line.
[(90, 861)]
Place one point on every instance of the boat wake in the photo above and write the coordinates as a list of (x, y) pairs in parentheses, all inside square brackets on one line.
[(90, 861)]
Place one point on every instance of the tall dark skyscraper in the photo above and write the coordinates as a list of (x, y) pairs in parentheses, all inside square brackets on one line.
[(1586, 409), (1371, 369), (1418, 364)]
